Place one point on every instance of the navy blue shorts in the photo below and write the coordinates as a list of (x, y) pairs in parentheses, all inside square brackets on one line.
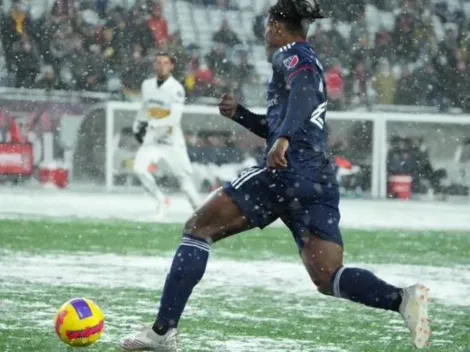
[(306, 207)]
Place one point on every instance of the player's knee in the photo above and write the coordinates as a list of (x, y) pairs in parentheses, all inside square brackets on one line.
[(195, 226)]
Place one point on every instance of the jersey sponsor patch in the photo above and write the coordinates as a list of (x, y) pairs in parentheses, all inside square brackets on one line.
[(291, 61), (158, 113)]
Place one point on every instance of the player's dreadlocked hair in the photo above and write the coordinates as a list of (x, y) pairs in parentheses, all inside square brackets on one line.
[(297, 15)]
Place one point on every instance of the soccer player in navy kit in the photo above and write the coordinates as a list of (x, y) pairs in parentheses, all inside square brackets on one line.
[(296, 184)]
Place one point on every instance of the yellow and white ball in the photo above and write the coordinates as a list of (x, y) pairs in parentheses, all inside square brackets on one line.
[(79, 322)]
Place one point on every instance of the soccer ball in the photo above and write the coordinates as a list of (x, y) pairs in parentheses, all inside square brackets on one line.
[(79, 322)]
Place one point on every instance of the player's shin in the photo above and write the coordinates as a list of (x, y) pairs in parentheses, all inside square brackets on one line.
[(362, 286), (187, 269)]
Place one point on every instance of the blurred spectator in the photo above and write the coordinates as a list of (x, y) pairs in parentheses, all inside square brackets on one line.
[(383, 44), (400, 161), (243, 72), (93, 78), (320, 43), (359, 141), (218, 62), (360, 34), (177, 50), (425, 35), (384, 83), (425, 176), (258, 27), (259, 22), (48, 80), (353, 10), (158, 26), (191, 66), (101, 6), (138, 30), (423, 86), (62, 9), (85, 25), (406, 88), (410, 156), (405, 25), (335, 87), (336, 45), (26, 62), (123, 37), (449, 68), (61, 44), (225, 35), (359, 78), (385, 5), (204, 81), (136, 71), (72, 73), (448, 47), (110, 48), (14, 26), (347, 11), (329, 44)]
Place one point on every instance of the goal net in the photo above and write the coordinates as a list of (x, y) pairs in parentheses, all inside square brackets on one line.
[(218, 148)]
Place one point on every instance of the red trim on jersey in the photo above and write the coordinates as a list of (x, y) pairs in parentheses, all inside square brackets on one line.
[(296, 72)]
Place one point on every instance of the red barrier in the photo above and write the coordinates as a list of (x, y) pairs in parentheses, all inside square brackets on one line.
[(16, 159)]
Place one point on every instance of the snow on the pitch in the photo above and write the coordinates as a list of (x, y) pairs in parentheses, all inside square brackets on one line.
[(263, 344), (67, 204), (114, 271)]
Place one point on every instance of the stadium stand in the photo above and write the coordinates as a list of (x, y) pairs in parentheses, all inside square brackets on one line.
[(90, 45)]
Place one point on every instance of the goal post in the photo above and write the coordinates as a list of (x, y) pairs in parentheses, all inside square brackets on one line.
[(130, 110)]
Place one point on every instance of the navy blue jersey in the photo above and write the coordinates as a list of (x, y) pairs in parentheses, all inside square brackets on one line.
[(297, 104)]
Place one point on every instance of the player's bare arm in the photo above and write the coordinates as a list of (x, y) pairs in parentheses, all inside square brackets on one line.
[(230, 108)]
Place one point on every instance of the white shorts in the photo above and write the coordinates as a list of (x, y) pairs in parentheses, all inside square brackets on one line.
[(164, 157)]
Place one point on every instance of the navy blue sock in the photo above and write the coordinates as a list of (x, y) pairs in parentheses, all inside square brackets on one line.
[(361, 286), (187, 269)]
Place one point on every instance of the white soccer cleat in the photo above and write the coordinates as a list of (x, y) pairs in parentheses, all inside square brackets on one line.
[(414, 310), (149, 340)]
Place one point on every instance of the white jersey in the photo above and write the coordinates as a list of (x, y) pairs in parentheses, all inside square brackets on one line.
[(162, 106)]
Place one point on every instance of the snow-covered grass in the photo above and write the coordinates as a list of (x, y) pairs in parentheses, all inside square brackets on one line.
[(242, 304)]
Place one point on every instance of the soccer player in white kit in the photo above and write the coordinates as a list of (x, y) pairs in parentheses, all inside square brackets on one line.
[(158, 128)]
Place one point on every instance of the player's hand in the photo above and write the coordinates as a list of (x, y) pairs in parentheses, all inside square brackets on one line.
[(140, 129), (277, 155), (228, 105)]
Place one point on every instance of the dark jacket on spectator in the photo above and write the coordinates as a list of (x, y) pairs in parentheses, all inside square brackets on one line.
[(225, 35), (27, 64), (13, 27)]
